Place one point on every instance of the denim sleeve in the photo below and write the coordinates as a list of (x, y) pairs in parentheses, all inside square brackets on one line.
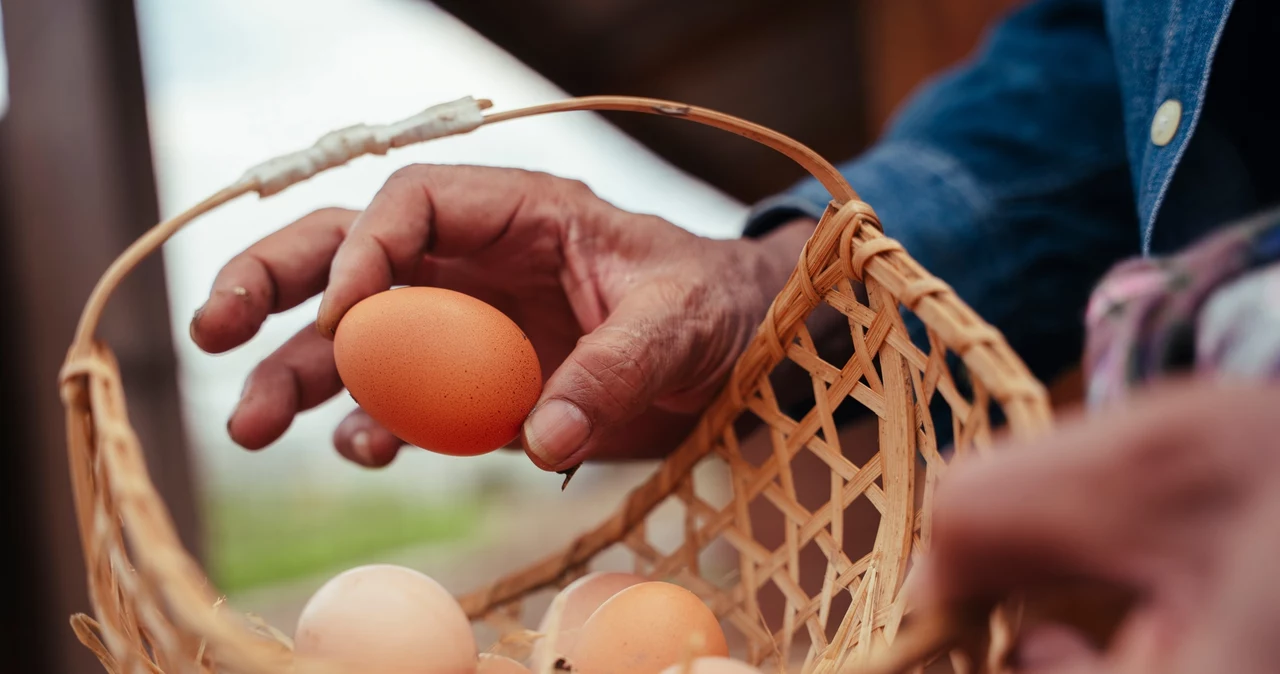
[(1007, 177)]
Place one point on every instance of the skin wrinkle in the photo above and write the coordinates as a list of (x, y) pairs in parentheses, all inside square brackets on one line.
[(600, 384), (418, 226), (707, 323), (430, 173), (299, 394), (429, 220), (502, 231), (395, 271), (402, 269), (344, 229), (272, 300), (662, 344), (626, 367), (579, 278), (741, 329), (695, 311)]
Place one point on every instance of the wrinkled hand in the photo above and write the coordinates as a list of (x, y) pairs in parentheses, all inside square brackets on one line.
[(636, 322), (1173, 500)]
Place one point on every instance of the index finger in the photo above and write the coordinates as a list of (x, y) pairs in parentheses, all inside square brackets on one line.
[(277, 273), (447, 211)]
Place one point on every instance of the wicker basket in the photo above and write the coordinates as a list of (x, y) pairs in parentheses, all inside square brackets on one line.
[(156, 611)]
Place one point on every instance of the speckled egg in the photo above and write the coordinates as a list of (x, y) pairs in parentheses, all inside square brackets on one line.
[(578, 601), (645, 629), (439, 369)]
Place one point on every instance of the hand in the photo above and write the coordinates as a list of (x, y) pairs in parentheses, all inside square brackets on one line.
[(1173, 500), (637, 323)]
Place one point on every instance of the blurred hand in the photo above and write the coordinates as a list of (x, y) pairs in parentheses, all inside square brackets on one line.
[(1173, 501), (636, 322)]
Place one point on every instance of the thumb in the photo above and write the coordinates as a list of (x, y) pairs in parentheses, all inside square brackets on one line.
[(613, 375)]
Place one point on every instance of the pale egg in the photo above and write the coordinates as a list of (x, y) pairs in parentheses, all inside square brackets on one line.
[(496, 664), (386, 619), (711, 665)]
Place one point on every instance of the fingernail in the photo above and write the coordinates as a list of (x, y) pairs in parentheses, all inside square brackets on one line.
[(244, 396), (362, 447), (322, 312), (231, 420), (195, 318), (324, 329), (555, 430)]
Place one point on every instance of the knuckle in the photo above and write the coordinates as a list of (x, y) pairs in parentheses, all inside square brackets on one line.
[(528, 178), (693, 295), (413, 173), (567, 191), (701, 311), (331, 213), (575, 187), (551, 183), (341, 219), (614, 373), (561, 205)]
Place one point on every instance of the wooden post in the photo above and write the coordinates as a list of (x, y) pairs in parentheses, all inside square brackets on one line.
[(76, 187), (907, 41)]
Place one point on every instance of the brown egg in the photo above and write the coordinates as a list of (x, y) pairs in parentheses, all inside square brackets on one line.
[(386, 619), (497, 664), (581, 598), (439, 369), (646, 628), (711, 665)]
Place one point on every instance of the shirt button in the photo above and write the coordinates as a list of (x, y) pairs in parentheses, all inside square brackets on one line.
[(1165, 125)]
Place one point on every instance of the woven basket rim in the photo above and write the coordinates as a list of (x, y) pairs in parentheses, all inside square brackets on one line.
[(848, 243)]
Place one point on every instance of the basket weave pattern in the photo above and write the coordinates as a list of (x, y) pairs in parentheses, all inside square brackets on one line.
[(156, 612)]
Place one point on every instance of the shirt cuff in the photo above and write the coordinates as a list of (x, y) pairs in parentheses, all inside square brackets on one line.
[(778, 210)]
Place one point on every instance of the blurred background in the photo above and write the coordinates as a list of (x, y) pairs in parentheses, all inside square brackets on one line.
[(116, 114)]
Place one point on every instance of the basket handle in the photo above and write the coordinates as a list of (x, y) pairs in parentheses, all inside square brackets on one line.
[(461, 116)]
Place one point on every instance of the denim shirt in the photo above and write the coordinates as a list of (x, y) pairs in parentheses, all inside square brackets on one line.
[(1056, 151)]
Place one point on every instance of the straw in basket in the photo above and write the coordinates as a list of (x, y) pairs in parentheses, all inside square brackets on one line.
[(155, 611)]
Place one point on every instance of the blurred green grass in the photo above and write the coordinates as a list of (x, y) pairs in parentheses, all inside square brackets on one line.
[(256, 539)]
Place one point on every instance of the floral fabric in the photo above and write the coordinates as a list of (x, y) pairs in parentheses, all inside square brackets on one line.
[(1213, 309)]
